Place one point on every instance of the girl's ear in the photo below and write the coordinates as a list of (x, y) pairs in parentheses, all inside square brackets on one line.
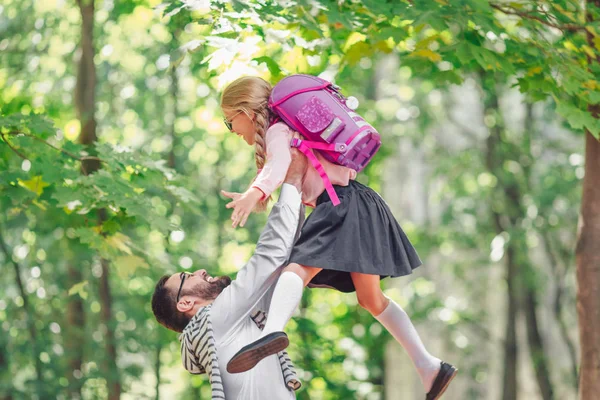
[(252, 115)]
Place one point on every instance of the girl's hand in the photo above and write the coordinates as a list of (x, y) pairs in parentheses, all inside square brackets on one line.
[(242, 205)]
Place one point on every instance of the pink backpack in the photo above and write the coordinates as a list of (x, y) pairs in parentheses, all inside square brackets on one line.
[(316, 109)]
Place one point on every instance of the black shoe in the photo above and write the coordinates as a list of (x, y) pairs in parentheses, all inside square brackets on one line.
[(250, 355), (441, 382)]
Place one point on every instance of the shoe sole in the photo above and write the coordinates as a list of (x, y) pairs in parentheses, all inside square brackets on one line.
[(447, 384), (248, 359)]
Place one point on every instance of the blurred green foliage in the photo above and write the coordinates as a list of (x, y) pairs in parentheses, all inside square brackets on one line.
[(165, 154)]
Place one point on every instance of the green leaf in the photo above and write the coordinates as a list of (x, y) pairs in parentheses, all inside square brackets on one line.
[(423, 18), (444, 77), (480, 6), (35, 185), (377, 7), (111, 226), (357, 51), (506, 65), (398, 34), (594, 97), (172, 9), (80, 289), (428, 54), (182, 194), (463, 53), (127, 265), (337, 18), (592, 124), (36, 124), (89, 236), (272, 65), (55, 171), (579, 119)]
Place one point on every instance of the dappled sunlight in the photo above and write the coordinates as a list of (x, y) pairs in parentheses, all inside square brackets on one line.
[(111, 178)]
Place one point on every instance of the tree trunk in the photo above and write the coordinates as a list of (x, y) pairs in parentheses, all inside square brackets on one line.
[(588, 273), (508, 218), (514, 197), (157, 369), (557, 304), (536, 344), (29, 317), (85, 98), (308, 361), (172, 162), (74, 333), (112, 372), (509, 379), (373, 93), (586, 254), (5, 372), (493, 162), (85, 88)]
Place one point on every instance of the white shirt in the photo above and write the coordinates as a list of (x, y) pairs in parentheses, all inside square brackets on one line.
[(230, 313)]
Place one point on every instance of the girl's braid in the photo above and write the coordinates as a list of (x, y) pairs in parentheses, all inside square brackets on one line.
[(263, 118)]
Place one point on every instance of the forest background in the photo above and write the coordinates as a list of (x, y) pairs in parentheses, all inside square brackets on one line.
[(113, 153)]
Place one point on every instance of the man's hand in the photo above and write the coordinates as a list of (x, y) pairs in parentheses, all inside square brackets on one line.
[(297, 169)]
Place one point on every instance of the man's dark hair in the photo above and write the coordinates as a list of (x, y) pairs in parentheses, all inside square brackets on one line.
[(164, 307)]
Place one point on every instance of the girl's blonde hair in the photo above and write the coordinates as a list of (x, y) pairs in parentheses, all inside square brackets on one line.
[(251, 94)]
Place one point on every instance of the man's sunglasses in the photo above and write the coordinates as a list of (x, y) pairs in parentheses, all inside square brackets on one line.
[(228, 122), (182, 277)]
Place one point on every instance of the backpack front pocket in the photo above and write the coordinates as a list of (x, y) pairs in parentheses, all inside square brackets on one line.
[(315, 116)]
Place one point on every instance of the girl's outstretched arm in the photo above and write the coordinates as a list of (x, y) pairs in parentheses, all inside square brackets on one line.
[(242, 204), (278, 160)]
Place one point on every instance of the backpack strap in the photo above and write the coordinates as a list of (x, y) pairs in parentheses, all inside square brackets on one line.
[(337, 147), (305, 146), (274, 119)]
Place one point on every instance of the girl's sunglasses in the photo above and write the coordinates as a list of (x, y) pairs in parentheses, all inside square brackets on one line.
[(228, 122)]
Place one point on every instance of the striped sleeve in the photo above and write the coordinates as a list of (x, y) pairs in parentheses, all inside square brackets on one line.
[(188, 358)]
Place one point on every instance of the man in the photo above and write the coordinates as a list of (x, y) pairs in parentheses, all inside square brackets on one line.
[(217, 316)]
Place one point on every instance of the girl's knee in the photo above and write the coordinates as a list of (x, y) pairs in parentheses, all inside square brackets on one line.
[(374, 303), (305, 273), (295, 268)]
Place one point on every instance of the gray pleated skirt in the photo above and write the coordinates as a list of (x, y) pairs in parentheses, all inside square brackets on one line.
[(358, 235)]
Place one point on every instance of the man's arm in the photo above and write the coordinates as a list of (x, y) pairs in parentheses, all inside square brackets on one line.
[(272, 251)]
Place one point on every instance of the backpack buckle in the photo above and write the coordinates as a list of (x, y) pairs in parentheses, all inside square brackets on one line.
[(340, 147)]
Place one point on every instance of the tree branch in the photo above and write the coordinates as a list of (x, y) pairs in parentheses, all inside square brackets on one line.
[(12, 148), (73, 156), (525, 15)]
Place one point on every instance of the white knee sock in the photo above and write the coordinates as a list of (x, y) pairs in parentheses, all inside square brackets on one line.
[(286, 297), (397, 322)]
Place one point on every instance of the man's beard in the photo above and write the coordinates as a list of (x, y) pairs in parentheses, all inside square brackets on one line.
[(210, 290)]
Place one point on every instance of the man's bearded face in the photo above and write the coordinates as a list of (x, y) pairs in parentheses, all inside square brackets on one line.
[(202, 285)]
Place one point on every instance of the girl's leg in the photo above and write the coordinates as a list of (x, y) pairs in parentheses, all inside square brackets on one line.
[(397, 322), (287, 295)]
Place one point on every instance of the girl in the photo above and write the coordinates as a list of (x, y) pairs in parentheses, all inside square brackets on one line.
[(348, 247)]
